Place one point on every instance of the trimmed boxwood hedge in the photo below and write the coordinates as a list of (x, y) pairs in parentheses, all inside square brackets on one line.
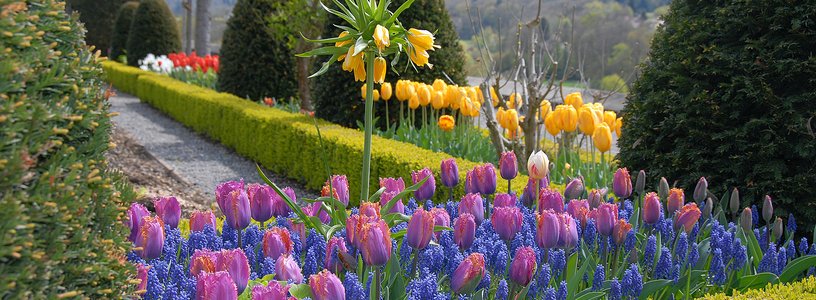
[(284, 142), (793, 290)]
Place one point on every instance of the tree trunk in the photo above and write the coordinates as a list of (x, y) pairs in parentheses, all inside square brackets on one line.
[(188, 26), (304, 91), (202, 29)]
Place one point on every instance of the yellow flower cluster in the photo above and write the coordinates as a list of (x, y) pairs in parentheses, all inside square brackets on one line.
[(589, 118), (439, 95)]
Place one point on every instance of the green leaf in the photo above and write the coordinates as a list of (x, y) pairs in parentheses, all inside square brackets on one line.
[(756, 281), (796, 267), (653, 286), (574, 274), (359, 45), (325, 66), (591, 296), (328, 50), (754, 251), (294, 207), (384, 210), (397, 12), (376, 196), (300, 291)]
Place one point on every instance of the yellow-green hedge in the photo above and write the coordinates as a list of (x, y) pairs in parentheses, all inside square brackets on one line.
[(805, 289), (284, 142)]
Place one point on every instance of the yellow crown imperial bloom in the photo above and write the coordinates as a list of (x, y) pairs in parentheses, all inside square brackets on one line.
[(586, 120), (424, 93), (551, 124), (421, 39), (574, 99), (381, 37), (438, 101), (419, 57), (494, 97), (602, 137), (360, 72), (610, 118), (379, 70), (413, 102), (363, 91), (385, 91), (342, 43), (544, 109), (446, 122)]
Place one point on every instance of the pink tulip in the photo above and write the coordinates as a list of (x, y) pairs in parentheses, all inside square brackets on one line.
[(150, 238), (464, 231), (260, 201), (279, 206), (507, 222), (605, 216), (276, 242), (235, 262), (504, 200), (550, 199), (168, 209), (676, 200), (141, 271), (523, 266), (135, 214), (568, 235), (271, 291), (200, 219), (548, 227), (420, 229), (203, 261), (441, 218), (468, 274), (216, 285), (472, 204), (687, 216), (652, 209), (326, 286), (375, 243), (286, 268), (622, 183), (335, 248), (622, 228)]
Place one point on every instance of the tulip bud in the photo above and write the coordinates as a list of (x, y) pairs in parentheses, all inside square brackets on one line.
[(486, 178), (746, 221), (507, 200), (427, 189), (236, 264), (663, 188), (277, 241), (385, 91), (548, 227), (687, 216), (286, 268), (538, 165), (777, 229), (472, 204), (379, 70), (135, 214), (420, 229), (260, 202), (675, 201), (216, 285), (767, 209), (568, 234), (508, 165), (449, 173), (523, 266), (734, 201), (375, 243), (471, 187), (640, 184), (709, 206), (550, 199), (326, 286), (595, 198), (574, 189), (464, 231), (620, 231), (605, 217), (468, 274), (272, 291), (168, 209), (701, 190), (507, 221), (150, 238), (652, 209), (622, 184)]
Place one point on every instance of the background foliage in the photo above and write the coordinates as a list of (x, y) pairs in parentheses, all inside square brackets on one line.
[(98, 18), (121, 28), (61, 222), (254, 64), (154, 30), (727, 93)]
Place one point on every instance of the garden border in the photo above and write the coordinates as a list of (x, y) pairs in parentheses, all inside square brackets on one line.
[(248, 128)]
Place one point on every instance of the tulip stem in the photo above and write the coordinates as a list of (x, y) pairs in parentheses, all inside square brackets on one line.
[(387, 121), (451, 191), (376, 282), (240, 244), (508, 186), (262, 226), (369, 115), (415, 263)]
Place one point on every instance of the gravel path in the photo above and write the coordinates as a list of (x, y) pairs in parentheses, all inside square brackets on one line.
[(196, 159)]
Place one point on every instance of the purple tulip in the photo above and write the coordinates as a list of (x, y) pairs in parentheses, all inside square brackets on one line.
[(595, 198), (279, 206), (335, 248), (260, 201), (426, 191), (622, 183), (168, 209), (449, 173), (235, 262), (530, 195), (468, 274), (326, 286), (286, 268), (523, 266), (354, 228), (605, 217), (548, 227), (339, 187), (472, 204), (386, 197), (235, 207), (203, 261), (746, 221), (420, 229), (441, 218), (464, 231), (150, 238), (767, 209), (574, 189), (216, 285), (276, 242), (200, 219), (676, 200), (652, 209), (370, 209), (272, 291), (550, 199), (504, 200), (700, 190), (393, 186), (375, 243), (578, 209), (507, 221), (471, 187), (486, 179), (141, 275), (316, 210), (223, 191), (508, 165), (135, 214), (687, 216), (568, 235)]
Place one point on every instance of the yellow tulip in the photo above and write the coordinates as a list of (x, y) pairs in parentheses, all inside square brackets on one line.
[(439, 85), (421, 39), (610, 118), (424, 93), (597, 106), (446, 122), (399, 91), (511, 120), (500, 116), (385, 91), (438, 101), (477, 108), (574, 99), (419, 57), (381, 37), (567, 118), (586, 120), (379, 70), (376, 95), (618, 125), (410, 91), (413, 102), (343, 43), (471, 93), (602, 137), (363, 91), (480, 95), (494, 97), (466, 107), (544, 109), (514, 99), (551, 124), (599, 114)]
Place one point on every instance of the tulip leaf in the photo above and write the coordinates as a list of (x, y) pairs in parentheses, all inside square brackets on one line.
[(398, 234), (376, 196), (393, 219), (442, 228), (591, 296), (397, 12), (401, 195), (300, 291), (330, 232), (294, 207), (574, 274), (394, 279), (748, 239), (796, 267), (653, 286), (523, 293), (756, 281)]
